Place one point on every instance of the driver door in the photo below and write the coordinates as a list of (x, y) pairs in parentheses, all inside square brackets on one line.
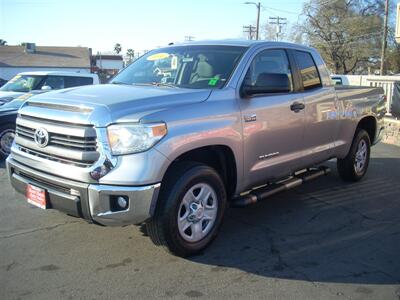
[(273, 129)]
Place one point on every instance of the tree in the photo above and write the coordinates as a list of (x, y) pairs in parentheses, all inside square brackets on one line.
[(3, 42), (117, 48), (131, 54), (347, 33)]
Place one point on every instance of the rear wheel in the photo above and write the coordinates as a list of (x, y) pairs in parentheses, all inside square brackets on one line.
[(355, 165), (189, 210), (7, 134)]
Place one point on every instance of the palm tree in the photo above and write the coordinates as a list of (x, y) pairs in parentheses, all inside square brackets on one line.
[(117, 48)]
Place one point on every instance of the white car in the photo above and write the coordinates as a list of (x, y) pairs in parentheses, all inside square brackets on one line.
[(25, 85), (43, 81)]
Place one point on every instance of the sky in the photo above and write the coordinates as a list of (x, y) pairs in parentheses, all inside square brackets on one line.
[(140, 25)]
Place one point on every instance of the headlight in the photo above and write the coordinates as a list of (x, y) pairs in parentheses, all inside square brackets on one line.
[(133, 138)]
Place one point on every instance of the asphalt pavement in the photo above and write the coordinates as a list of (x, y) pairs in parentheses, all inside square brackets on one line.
[(324, 240)]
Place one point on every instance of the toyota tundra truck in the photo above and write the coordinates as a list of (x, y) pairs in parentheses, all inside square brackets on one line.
[(188, 130)]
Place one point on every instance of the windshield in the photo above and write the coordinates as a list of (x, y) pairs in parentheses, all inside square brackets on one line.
[(22, 83), (194, 67)]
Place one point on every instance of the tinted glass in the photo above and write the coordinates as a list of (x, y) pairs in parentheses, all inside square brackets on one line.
[(70, 81), (308, 70), (193, 67), (269, 62)]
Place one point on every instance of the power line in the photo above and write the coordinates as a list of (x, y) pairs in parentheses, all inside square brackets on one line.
[(277, 21)]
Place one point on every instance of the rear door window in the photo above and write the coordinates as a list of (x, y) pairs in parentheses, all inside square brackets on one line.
[(308, 70), (72, 81)]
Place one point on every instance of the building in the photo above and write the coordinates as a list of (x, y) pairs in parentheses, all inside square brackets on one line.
[(106, 66), (16, 59)]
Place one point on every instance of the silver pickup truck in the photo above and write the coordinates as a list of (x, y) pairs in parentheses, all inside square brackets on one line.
[(187, 130)]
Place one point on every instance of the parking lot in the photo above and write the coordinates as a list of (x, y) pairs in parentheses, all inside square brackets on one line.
[(324, 240)]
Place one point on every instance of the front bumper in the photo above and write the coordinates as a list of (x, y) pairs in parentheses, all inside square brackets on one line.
[(89, 201)]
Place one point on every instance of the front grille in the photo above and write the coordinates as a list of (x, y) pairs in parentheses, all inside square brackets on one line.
[(68, 143), (61, 140)]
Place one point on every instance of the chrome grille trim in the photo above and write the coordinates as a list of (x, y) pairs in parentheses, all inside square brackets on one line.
[(68, 143), (63, 129), (55, 158)]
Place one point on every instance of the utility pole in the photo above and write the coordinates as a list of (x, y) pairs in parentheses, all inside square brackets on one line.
[(250, 30), (258, 5), (384, 39), (277, 21), (189, 38)]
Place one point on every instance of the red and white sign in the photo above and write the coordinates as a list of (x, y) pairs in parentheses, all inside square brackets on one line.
[(36, 196)]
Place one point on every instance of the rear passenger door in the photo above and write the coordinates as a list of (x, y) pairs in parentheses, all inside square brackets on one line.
[(272, 129), (320, 109)]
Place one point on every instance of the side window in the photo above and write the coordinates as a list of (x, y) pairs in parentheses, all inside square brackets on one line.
[(271, 67), (308, 70), (71, 81), (55, 82)]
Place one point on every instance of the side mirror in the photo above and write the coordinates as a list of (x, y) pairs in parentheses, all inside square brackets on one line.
[(46, 88), (268, 83)]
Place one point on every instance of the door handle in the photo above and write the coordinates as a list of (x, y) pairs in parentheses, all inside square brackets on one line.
[(297, 106)]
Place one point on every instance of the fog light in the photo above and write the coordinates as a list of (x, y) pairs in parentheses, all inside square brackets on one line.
[(119, 203), (122, 202)]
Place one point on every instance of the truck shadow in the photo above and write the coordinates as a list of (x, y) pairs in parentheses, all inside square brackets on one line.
[(324, 231), (2, 164)]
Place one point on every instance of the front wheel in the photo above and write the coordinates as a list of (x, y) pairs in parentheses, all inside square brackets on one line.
[(355, 165), (7, 134), (189, 210)]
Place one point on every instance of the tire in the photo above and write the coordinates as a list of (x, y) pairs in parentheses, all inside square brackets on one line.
[(186, 221), (7, 134), (355, 165)]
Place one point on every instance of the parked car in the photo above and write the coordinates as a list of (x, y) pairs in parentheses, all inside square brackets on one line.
[(2, 82), (43, 81), (171, 147), (25, 85)]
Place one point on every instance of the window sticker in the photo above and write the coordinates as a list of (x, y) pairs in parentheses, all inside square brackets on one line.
[(158, 56), (213, 81)]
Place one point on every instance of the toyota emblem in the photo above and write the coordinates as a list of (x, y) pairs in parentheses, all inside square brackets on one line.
[(41, 137)]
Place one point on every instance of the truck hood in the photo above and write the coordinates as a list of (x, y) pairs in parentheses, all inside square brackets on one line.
[(6, 96), (102, 105)]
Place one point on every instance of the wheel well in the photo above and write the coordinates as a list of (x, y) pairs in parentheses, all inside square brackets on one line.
[(219, 157), (369, 125)]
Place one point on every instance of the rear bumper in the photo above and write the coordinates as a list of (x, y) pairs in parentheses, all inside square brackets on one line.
[(89, 201)]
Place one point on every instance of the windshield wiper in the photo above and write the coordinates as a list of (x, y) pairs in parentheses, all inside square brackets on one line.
[(157, 84), (119, 82)]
